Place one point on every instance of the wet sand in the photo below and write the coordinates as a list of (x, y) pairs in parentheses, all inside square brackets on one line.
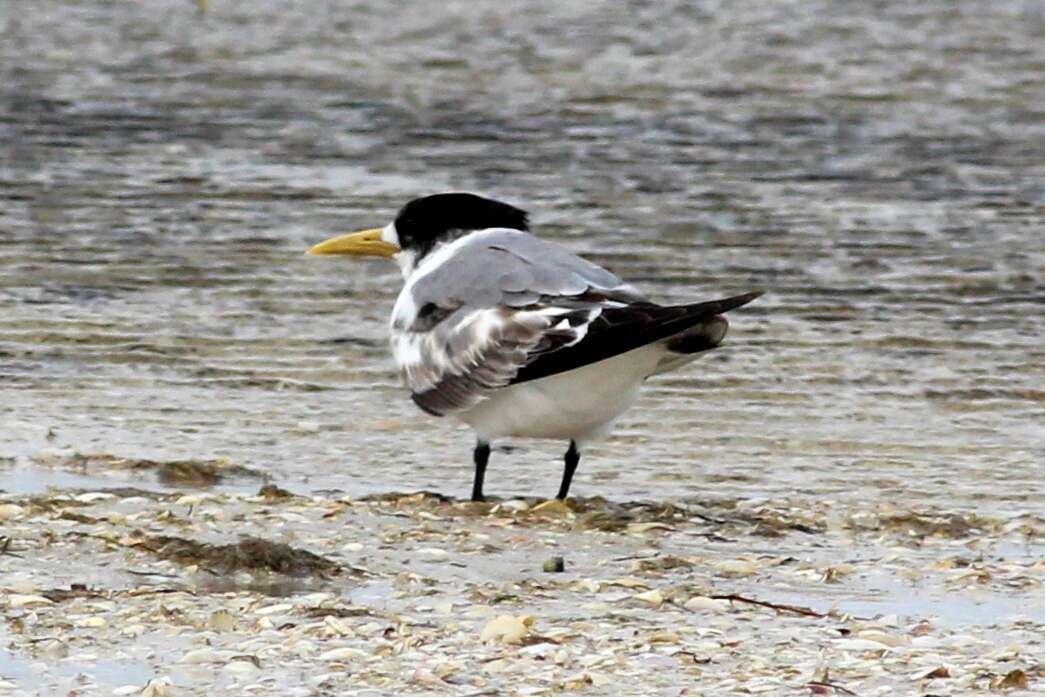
[(859, 467), (129, 592)]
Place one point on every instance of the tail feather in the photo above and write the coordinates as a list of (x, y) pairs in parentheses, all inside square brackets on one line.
[(688, 329), (703, 335), (708, 327), (718, 307)]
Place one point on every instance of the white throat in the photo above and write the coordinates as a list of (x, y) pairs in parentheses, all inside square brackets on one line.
[(404, 258)]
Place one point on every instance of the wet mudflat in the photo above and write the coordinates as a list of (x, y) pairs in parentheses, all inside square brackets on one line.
[(132, 592), (868, 446)]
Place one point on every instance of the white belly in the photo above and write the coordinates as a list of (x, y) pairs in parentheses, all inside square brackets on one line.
[(577, 405)]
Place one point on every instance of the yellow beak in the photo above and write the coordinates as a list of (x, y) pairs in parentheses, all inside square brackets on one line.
[(362, 244)]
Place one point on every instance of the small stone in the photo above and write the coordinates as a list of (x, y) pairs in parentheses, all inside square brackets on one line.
[(434, 552), (18, 600), (647, 527), (882, 637), (1015, 679), (221, 621), (932, 673), (542, 650), (94, 496), (506, 629), (241, 667), (342, 654), (554, 508), (735, 567), (202, 656), (157, 687), (663, 638), (497, 666), (512, 506), (91, 622), (702, 602), (652, 597), (554, 565), (625, 583), (10, 511), (861, 645)]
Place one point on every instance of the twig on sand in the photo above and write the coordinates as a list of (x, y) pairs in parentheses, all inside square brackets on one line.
[(818, 685), (135, 572), (5, 542), (734, 598), (633, 557), (5, 547), (707, 518)]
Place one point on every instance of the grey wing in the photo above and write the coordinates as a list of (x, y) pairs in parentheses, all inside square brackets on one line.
[(502, 267), (493, 305)]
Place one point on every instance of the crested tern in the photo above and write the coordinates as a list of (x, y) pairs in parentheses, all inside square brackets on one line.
[(517, 336)]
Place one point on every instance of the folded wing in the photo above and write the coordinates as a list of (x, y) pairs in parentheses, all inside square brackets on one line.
[(501, 307)]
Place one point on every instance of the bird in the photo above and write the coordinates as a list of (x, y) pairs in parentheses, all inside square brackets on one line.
[(516, 336)]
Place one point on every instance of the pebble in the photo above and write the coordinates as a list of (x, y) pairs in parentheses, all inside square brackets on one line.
[(89, 622), (94, 496), (342, 654), (652, 597), (735, 567), (19, 600), (221, 621), (11, 511), (203, 656), (506, 629), (241, 667), (701, 602), (512, 506), (861, 645), (554, 565)]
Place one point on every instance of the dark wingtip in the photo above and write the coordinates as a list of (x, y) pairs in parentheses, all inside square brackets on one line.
[(736, 301)]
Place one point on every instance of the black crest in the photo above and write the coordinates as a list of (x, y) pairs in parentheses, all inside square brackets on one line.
[(442, 217)]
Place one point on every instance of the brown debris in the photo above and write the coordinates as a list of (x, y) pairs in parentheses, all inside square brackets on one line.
[(734, 598), (202, 473), (73, 592), (661, 564), (914, 524), (341, 612), (249, 554), (274, 493), (441, 570), (400, 498), (1013, 680)]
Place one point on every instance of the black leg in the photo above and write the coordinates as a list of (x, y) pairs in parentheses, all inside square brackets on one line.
[(481, 457), (571, 459)]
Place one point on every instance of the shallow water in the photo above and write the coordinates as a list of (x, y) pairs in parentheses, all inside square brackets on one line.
[(880, 169)]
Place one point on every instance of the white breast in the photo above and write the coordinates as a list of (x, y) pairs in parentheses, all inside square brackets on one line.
[(579, 405)]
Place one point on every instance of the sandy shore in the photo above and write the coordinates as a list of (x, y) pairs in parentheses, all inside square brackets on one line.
[(126, 591)]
